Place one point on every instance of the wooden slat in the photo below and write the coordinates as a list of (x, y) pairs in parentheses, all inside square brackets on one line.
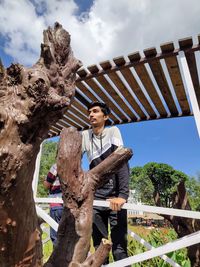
[(81, 99), (57, 126), (185, 43), (105, 84), (79, 114), (130, 64), (175, 75), (127, 95), (105, 65), (167, 47), (67, 123), (76, 104), (64, 125), (71, 123), (51, 130), (94, 86), (191, 61), (148, 84), (161, 80), (130, 79), (85, 91), (94, 69), (55, 130), (75, 119), (83, 88)]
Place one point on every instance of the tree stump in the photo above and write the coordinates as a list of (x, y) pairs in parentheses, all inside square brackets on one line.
[(78, 187), (30, 100)]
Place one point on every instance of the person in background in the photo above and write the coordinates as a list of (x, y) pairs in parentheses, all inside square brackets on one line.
[(99, 142), (53, 184)]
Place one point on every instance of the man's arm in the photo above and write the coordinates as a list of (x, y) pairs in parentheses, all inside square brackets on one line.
[(123, 183), (51, 177), (122, 176), (47, 185)]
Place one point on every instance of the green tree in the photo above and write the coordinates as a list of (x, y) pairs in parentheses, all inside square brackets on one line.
[(164, 179), (143, 187), (156, 177), (193, 189), (48, 158)]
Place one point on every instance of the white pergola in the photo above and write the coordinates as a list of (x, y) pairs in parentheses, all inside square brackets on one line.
[(138, 88)]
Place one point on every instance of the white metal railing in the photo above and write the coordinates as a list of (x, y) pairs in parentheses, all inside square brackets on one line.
[(183, 242), (136, 207), (149, 247), (186, 241)]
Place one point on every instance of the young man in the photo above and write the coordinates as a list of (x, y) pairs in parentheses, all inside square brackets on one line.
[(99, 142), (53, 184)]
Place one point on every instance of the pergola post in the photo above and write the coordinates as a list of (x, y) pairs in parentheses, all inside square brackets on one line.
[(191, 92), (36, 172)]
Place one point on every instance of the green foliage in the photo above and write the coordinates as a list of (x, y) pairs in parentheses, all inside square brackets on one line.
[(157, 237), (47, 247), (47, 250), (143, 187), (193, 189), (165, 180), (48, 158), (156, 177)]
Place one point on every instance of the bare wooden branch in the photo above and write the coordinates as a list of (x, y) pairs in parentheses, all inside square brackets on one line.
[(97, 258), (74, 232), (110, 165)]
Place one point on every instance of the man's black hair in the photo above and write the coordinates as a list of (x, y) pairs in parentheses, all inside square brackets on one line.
[(105, 109)]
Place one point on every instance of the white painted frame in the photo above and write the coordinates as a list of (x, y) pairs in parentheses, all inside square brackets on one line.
[(191, 91)]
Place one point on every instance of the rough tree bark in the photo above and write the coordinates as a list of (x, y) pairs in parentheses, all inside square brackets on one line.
[(74, 232), (30, 100), (183, 226)]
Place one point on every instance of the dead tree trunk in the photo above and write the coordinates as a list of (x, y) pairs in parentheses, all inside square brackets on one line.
[(183, 226), (30, 100), (78, 187)]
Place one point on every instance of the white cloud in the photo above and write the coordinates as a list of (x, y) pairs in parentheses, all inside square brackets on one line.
[(111, 27)]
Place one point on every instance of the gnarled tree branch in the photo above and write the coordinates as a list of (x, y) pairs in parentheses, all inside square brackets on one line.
[(31, 99), (78, 187)]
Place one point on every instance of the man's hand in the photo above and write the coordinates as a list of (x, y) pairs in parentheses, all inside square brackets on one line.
[(47, 185), (116, 203)]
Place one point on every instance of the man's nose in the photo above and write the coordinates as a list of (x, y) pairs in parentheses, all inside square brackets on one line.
[(91, 115)]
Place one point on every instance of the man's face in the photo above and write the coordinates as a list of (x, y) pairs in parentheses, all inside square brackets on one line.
[(97, 117)]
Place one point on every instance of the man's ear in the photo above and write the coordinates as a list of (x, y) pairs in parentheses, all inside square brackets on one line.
[(106, 117)]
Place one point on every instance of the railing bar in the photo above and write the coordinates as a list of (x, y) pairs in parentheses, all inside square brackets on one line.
[(183, 242), (149, 246), (130, 206), (46, 218)]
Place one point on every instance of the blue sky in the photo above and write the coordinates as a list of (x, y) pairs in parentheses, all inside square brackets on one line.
[(102, 30), (171, 141)]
